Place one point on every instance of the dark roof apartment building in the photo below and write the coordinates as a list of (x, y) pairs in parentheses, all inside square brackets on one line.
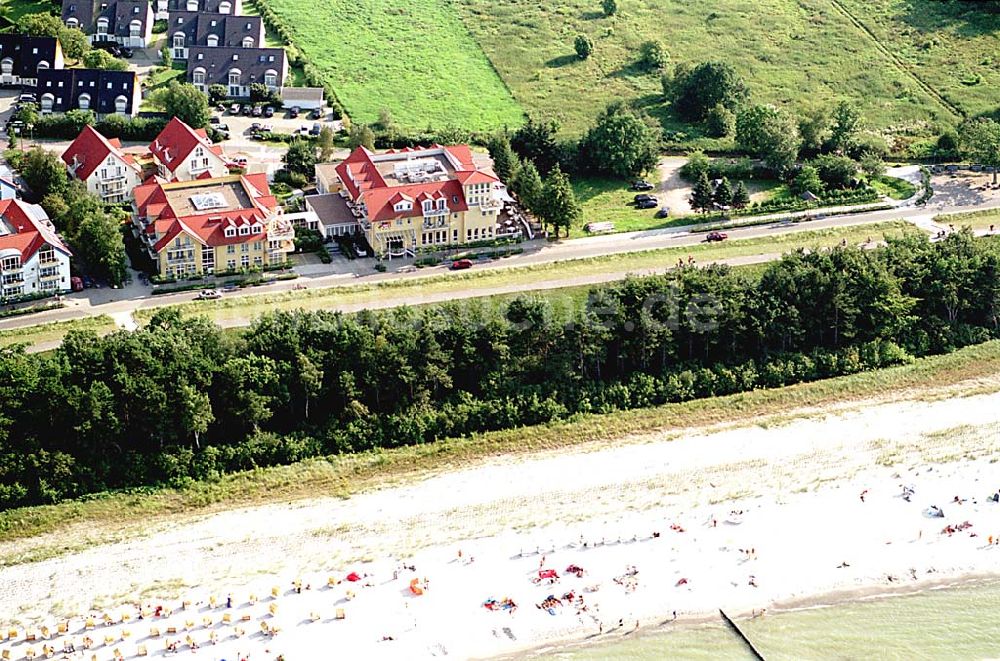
[(236, 68), (102, 92), (234, 7), (22, 56), (188, 29), (129, 22)]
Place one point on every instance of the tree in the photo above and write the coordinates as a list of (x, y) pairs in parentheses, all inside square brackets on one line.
[(702, 195), (195, 412), (504, 159), (697, 164), (261, 93), (300, 158), (527, 185), (653, 55), (814, 128), (807, 181), (837, 172), (325, 144), (73, 41), (100, 59), (217, 94), (44, 173), (720, 121), (386, 123), (535, 141), (769, 133), (947, 143), (621, 143), (361, 135), (559, 205), (980, 142), (610, 7), (872, 165), (723, 193), (98, 241), (310, 379), (741, 198), (584, 46), (695, 91), (185, 102), (166, 59), (845, 125)]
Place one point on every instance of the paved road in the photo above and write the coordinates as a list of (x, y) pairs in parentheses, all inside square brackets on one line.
[(121, 303)]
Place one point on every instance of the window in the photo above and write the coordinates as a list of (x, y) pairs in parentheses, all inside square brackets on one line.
[(72, 23), (247, 42), (230, 264), (84, 103), (10, 263), (43, 64), (6, 66), (256, 229), (230, 250), (121, 104), (256, 246), (135, 28), (225, 7), (47, 101), (178, 40), (234, 82), (213, 40), (198, 76), (135, 10), (214, 23), (230, 233), (271, 78), (102, 26), (244, 231), (192, 5), (245, 261), (244, 247)]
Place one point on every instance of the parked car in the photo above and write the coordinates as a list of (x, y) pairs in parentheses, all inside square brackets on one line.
[(460, 264), (316, 128), (257, 111), (76, 284), (234, 109), (208, 295), (664, 212), (293, 112), (641, 184), (315, 113), (716, 236), (256, 126), (239, 161), (88, 282), (246, 110), (26, 98), (224, 128), (268, 111), (126, 52), (215, 120), (221, 108), (107, 46), (649, 203), (643, 197), (359, 251)]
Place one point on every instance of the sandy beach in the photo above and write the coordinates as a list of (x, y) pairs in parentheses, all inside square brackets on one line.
[(743, 518)]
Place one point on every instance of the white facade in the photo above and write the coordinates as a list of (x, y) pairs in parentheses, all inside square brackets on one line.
[(200, 160), (113, 180), (47, 271)]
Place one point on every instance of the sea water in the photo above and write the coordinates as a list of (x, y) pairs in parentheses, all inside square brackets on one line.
[(944, 623)]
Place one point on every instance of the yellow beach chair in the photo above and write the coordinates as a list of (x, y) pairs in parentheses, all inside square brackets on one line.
[(141, 650), (5, 655), (275, 590), (340, 615), (212, 601), (62, 627), (89, 623), (206, 622), (227, 618), (238, 632), (110, 640), (314, 616), (273, 608), (154, 632)]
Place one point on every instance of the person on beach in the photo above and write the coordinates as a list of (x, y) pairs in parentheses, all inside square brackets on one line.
[(863, 493)]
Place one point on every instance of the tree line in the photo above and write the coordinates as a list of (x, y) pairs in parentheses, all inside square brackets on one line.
[(180, 400)]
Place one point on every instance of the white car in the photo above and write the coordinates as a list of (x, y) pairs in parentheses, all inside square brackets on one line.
[(208, 295)]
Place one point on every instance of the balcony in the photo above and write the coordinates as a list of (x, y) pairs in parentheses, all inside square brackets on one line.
[(46, 275), (47, 260)]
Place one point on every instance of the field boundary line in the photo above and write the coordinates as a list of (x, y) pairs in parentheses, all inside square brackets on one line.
[(921, 83)]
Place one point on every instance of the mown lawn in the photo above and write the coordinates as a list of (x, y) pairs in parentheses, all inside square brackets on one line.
[(977, 220), (412, 57), (17, 8), (798, 52), (894, 187), (54, 331)]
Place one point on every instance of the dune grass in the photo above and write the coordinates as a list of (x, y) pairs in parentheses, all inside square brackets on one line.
[(107, 517), (54, 331), (977, 220), (797, 52), (414, 58)]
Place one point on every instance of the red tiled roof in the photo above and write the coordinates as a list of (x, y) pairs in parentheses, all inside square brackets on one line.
[(363, 182), (176, 141), (31, 230), (89, 150)]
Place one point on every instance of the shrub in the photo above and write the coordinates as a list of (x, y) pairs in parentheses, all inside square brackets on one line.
[(584, 46)]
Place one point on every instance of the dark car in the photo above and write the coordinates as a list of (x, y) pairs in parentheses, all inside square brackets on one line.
[(316, 128), (315, 113), (460, 264), (224, 128), (215, 120), (127, 52), (108, 46), (268, 111), (642, 197), (664, 212), (716, 236), (650, 203), (293, 112), (246, 110), (641, 184), (257, 111)]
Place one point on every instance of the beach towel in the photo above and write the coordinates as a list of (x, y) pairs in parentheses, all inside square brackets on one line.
[(353, 577)]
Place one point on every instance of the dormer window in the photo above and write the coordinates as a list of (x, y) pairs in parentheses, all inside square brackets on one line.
[(192, 5), (135, 10), (256, 229), (247, 42), (236, 56), (230, 232), (244, 231), (213, 40), (214, 23), (440, 204)]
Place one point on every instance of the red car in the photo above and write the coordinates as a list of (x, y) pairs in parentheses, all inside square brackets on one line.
[(716, 236), (459, 264)]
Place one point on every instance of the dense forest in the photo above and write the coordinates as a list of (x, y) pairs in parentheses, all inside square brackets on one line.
[(181, 400)]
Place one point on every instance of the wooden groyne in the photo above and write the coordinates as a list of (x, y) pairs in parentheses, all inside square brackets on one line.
[(743, 637)]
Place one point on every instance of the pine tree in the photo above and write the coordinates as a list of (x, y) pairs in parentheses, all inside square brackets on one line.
[(528, 187), (701, 196), (504, 159), (741, 198), (723, 193), (559, 205)]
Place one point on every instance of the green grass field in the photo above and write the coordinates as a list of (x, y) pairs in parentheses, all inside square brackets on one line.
[(797, 52), (54, 331), (414, 58)]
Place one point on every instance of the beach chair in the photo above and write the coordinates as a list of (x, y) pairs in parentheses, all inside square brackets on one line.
[(189, 624), (62, 627), (109, 640), (125, 617), (107, 620), (154, 632), (332, 582), (5, 655), (29, 653), (126, 633), (145, 613), (45, 632), (30, 636), (238, 632), (141, 650), (314, 616), (274, 591), (350, 595), (48, 651), (340, 614), (206, 622), (263, 627), (212, 601), (253, 599), (227, 618), (245, 617), (89, 623), (117, 654), (171, 631), (213, 637)]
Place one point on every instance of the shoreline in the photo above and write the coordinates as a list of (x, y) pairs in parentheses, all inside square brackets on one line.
[(784, 516)]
